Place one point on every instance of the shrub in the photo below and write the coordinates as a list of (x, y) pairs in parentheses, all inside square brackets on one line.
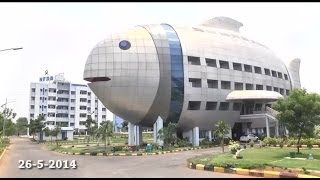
[(204, 142), (251, 143), (118, 148), (234, 146), (185, 142)]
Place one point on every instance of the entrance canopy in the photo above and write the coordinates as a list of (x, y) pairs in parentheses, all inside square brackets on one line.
[(253, 95)]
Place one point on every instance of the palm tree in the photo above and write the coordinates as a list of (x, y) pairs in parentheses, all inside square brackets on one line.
[(106, 131), (222, 129)]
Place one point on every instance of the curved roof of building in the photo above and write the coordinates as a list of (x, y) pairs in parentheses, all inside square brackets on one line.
[(253, 94)]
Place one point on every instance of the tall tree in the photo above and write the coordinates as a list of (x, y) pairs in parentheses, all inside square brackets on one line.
[(299, 112), (106, 132), (21, 125), (124, 126), (168, 134), (89, 125), (221, 130), (55, 132), (6, 121)]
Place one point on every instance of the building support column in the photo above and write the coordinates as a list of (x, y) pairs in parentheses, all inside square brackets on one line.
[(210, 135), (134, 135), (277, 128), (195, 136), (156, 127), (267, 127)]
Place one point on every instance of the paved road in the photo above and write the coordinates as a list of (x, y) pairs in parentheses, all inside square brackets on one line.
[(166, 165)]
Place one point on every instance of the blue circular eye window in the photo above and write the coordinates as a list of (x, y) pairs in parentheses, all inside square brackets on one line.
[(124, 45)]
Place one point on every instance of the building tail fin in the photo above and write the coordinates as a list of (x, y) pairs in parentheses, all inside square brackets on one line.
[(294, 72)]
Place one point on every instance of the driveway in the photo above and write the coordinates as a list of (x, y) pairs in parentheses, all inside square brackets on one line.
[(155, 166)]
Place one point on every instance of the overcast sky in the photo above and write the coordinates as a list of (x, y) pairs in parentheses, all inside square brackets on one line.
[(58, 37)]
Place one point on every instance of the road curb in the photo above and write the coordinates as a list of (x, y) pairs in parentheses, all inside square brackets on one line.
[(3, 152), (135, 154), (249, 172)]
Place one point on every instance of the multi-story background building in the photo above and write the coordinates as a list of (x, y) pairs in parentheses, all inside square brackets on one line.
[(65, 104)]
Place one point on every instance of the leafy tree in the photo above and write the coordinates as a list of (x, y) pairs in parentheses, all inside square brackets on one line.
[(299, 112), (21, 125), (47, 132), (168, 134), (89, 125), (221, 130), (55, 132), (124, 125), (5, 117), (37, 125), (317, 131), (106, 132)]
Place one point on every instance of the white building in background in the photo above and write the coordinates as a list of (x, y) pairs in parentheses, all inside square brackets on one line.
[(65, 104)]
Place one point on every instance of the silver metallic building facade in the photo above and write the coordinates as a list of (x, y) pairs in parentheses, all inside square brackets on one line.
[(184, 74)]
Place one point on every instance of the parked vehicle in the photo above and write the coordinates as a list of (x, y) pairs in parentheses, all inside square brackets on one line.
[(249, 137)]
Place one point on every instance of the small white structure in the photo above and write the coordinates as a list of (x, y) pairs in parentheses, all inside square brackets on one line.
[(66, 133)]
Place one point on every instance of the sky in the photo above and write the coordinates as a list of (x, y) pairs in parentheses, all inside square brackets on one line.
[(58, 37)]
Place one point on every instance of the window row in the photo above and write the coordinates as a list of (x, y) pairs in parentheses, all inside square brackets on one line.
[(223, 106), (238, 67), (214, 84)]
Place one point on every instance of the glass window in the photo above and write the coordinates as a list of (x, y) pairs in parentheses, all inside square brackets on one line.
[(103, 116), (83, 115), (257, 69), (83, 92), (259, 87), (258, 107), (193, 60), (224, 106), (32, 98), (195, 82), (281, 91), (285, 76), (103, 109), (237, 66), (211, 62), (211, 105), (269, 88), (83, 107), (73, 100), (224, 64), (72, 116), (212, 83), (249, 86), (274, 73), (124, 45), (280, 75), (194, 105), (238, 86), (225, 85), (276, 89), (32, 107), (73, 92), (267, 71), (237, 106), (83, 100), (287, 92), (247, 68)]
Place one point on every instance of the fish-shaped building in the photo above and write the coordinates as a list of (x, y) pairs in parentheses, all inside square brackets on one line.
[(154, 74)]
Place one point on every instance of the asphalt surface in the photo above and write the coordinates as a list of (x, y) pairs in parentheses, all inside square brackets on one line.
[(155, 166)]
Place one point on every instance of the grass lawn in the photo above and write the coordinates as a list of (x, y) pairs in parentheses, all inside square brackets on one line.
[(261, 157)]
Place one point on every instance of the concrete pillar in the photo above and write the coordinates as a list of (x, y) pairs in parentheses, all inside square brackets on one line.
[(195, 136), (156, 127), (277, 128), (267, 127), (210, 135), (134, 135)]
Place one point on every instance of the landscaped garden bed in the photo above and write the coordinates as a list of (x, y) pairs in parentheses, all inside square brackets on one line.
[(264, 158)]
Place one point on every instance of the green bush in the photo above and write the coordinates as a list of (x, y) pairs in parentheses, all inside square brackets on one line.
[(118, 148), (234, 146), (251, 143), (204, 142), (184, 143)]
